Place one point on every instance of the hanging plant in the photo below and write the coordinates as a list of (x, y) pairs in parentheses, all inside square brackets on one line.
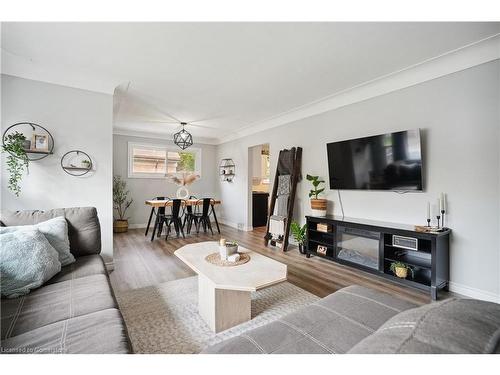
[(17, 160)]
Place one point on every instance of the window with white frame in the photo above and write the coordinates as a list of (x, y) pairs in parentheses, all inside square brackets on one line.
[(156, 161)]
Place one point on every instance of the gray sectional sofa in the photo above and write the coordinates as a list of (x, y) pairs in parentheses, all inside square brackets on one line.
[(361, 320), (75, 311)]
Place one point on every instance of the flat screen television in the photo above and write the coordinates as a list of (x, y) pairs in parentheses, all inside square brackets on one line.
[(390, 161)]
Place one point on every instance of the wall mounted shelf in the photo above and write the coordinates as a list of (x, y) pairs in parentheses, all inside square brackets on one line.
[(36, 135), (227, 170), (73, 157)]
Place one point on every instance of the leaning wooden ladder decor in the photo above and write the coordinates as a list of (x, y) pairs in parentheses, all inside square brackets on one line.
[(294, 155)]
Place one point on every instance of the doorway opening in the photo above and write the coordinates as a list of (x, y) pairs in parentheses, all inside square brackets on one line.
[(259, 184)]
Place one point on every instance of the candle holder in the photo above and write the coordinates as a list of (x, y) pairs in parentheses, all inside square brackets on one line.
[(442, 215), (439, 218), (429, 222)]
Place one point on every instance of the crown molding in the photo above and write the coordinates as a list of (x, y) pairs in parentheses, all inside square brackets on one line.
[(19, 66), (163, 136), (465, 57)]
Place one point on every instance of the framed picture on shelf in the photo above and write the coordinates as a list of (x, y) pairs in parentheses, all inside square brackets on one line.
[(321, 250), (40, 142)]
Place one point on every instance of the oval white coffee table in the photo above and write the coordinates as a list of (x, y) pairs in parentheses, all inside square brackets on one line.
[(224, 293)]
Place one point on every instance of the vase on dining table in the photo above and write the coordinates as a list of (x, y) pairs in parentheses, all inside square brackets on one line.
[(182, 193)]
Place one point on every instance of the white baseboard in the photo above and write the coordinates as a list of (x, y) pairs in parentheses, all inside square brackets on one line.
[(235, 225), (474, 292), (137, 226)]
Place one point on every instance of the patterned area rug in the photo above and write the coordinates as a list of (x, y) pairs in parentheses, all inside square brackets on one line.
[(165, 319)]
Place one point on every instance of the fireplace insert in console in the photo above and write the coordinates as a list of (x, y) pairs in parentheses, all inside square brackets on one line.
[(358, 246), (370, 246)]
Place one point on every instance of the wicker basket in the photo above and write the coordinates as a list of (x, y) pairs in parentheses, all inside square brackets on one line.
[(318, 207), (120, 226)]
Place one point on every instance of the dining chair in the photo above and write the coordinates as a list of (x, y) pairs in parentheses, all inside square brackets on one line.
[(202, 217), (160, 212), (175, 217), (188, 213)]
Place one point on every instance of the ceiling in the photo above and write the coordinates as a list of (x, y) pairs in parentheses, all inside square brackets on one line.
[(224, 77)]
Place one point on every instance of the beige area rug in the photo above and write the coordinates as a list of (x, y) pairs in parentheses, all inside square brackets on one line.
[(164, 318)]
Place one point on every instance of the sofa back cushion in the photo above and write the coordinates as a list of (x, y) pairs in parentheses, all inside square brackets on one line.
[(451, 326), (84, 230)]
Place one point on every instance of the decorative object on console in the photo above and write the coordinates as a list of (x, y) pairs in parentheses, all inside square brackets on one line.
[(318, 205), (322, 250), (186, 180), (76, 163), (442, 207), (183, 138), (121, 203), (299, 234), (226, 170), (323, 227), (401, 269)]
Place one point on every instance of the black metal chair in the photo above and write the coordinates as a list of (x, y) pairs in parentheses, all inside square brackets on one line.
[(188, 213), (202, 217), (175, 217), (160, 213)]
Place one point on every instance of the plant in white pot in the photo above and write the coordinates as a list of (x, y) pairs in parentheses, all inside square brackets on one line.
[(121, 203), (318, 205)]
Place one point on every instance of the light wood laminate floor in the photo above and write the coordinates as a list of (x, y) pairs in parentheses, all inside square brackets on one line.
[(139, 263)]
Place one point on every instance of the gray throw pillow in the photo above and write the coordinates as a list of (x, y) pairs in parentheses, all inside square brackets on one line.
[(56, 232), (460, 326), (27, 260)]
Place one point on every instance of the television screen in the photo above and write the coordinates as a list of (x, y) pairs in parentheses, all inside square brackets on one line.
[(390, 161)]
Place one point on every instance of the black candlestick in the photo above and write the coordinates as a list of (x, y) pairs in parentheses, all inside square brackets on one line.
[(429, 222), (442, 215), (438, 217)]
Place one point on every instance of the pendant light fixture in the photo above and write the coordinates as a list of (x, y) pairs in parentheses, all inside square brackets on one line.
[(183, 138)]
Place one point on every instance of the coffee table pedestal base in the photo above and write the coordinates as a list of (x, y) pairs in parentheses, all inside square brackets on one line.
[(222, 308)]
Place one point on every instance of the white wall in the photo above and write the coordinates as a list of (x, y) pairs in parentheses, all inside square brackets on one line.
[(459, 116), (77, 119), (147, 188)]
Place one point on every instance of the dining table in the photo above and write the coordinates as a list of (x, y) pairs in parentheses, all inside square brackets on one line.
[(158, 203)]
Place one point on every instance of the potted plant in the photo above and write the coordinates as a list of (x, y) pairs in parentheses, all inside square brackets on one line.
[(401, 269), (121, 203), (17, 160), (86, 163), (318, 205), (299, 234)]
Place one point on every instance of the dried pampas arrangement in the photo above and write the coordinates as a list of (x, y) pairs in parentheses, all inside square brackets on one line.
[(186, 179)]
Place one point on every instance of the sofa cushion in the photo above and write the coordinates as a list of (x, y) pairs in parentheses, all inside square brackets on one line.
[(84, 230), (101, 332), (27, 260), (56, 232), (55, 302), (451, 326), (83, 266), (332, 325)]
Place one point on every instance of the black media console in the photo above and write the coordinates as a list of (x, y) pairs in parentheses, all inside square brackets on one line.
[(373, 246)]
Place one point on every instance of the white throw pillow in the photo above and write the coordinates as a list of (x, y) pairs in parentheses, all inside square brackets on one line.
[(27, 260), (56, 232)]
